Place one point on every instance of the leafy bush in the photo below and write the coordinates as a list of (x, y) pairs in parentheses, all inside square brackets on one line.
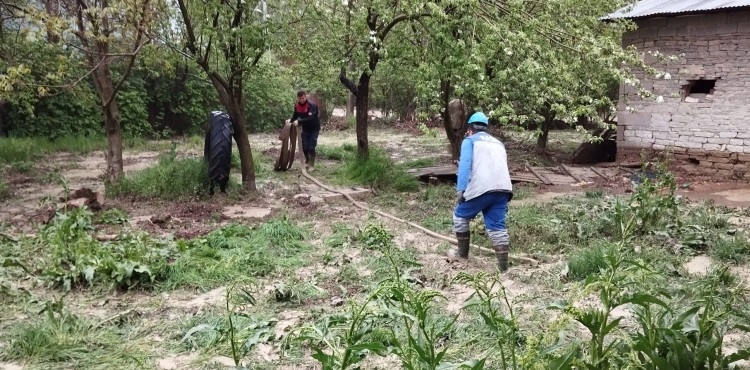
[(272, 98), (76, 257)]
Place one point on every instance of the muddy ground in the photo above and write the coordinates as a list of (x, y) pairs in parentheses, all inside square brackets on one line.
[(277, 191)]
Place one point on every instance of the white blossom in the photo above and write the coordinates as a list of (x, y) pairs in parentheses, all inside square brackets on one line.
[(660, 99), (667, 76)]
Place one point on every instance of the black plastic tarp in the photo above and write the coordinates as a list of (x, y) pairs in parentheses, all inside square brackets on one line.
[(218, 147)]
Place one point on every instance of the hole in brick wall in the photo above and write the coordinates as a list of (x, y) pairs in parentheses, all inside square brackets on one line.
[(697, 90), (694, 161)]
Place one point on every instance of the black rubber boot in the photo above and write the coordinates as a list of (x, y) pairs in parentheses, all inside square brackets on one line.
[(307, 156), (501, 252), (462, 250), (311, 163)]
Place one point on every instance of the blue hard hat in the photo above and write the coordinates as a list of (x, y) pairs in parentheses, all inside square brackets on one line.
[(478, 118)]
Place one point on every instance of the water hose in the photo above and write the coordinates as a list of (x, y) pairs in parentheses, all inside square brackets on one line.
[(286, 157)]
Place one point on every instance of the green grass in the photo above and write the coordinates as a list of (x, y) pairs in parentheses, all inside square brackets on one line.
[(734, 249), (14, 150), (169, 179), (59, 339), (378, 171), (339, 153), (21, 167), (4, 190), (421, 162), (239, 252), (587, 261)]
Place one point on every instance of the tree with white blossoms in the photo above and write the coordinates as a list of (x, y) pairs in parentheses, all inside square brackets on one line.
[(98, 32), (530, 63)]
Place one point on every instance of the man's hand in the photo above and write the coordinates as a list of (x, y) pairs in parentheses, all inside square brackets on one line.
[(295, 123), (460, 197)]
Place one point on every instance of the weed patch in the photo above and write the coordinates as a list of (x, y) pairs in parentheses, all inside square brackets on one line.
[(77, 257), (237, 252), (112, 216), (421, 162), (28, 149), (169, 179), (24, 167), (377, 171), (588, 261), (4, 190), (339, 153), (733, 248), (60, 339)]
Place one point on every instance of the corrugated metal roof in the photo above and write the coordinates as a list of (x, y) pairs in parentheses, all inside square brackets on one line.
[(654, 7)]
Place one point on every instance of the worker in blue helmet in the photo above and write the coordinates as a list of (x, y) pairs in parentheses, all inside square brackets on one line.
[(483, 186)]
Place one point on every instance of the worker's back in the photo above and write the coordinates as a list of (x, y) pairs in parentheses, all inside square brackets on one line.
[(489, 166)]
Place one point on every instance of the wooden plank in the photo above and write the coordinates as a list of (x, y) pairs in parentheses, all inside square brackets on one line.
[(452, 170), (541, 177), (574, 176), (594, 170), (628, 170)]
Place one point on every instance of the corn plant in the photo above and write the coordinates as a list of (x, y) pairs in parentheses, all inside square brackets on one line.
[(345, 336), (649, 205), (691, 338), (617, 285), (256, 331), (417, 334), (497, 313)]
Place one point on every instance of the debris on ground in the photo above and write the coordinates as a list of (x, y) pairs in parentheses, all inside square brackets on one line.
[(161, 219)]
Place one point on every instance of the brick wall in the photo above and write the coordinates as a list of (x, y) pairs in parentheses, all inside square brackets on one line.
[(713, 131)]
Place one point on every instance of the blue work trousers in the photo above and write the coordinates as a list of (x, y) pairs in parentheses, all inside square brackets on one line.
[(493, 206)]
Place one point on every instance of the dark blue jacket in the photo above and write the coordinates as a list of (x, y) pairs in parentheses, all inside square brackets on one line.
[(307, 115)]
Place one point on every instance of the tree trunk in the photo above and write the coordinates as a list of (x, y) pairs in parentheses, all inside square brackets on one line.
[(351, 99), (235, 107), (363, 105), (105, 89), (541, 141), (246, 153), (52, 7), (3, 129), (455, 136)]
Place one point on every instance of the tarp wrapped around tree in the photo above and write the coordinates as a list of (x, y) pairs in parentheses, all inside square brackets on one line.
[(218, 149)]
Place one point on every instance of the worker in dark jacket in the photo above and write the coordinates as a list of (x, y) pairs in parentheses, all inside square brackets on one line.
[(306, 116)]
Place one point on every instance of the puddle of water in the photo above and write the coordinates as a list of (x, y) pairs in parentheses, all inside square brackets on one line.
[(245, 212), (725, 194)]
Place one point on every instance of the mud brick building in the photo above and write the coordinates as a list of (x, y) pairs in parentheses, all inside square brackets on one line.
[(704, 118)]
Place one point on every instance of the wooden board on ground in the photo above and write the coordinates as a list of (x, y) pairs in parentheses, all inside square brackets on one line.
[(554, 175), (425, 173)]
